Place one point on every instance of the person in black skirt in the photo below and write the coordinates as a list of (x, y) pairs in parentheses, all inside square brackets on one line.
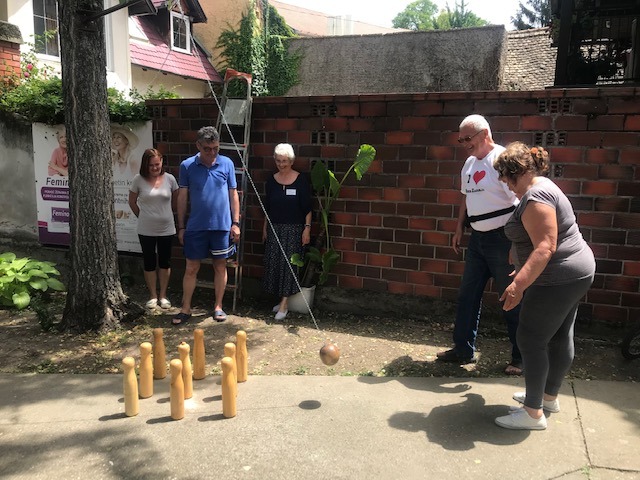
[(288, 206)]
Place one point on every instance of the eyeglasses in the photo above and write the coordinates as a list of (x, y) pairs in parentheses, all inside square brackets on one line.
[(208, 149), (468, 138)]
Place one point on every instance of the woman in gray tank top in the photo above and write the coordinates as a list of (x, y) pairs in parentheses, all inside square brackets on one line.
[(554, 270)]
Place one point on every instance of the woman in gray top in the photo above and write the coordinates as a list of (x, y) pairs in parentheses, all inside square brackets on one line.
[(554, 270), (152, 195)]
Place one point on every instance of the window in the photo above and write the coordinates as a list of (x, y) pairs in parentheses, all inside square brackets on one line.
[(45, 27), (180, 33)]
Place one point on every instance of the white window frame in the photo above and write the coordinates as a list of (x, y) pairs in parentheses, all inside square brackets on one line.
[(45, 54), (187, 23)]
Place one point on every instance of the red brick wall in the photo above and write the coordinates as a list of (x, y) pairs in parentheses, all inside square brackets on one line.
[(394, 227), (9, 60)]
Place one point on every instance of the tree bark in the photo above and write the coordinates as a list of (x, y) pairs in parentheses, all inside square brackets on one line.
[(95, 300)]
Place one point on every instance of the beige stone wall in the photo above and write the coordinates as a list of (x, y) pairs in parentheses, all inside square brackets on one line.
[(221, 14), (468, 59)]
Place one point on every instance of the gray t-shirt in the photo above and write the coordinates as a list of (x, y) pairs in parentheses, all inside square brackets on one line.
[(156, 216), (573, 259)]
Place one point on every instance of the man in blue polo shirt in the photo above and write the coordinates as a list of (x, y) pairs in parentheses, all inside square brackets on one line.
[(208, 180)]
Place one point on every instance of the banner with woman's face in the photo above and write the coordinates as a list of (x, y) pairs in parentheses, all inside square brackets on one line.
[(52, 181)]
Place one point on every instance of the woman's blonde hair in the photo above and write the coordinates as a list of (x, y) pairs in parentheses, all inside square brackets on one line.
[(518, 159)]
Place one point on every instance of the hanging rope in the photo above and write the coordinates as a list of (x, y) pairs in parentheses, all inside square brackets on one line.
[(253, 185)]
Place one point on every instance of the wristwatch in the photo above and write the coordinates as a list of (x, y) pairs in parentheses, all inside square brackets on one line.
[(237, 224)]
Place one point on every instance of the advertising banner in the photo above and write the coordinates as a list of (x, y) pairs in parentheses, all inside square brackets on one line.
[(52, 181)]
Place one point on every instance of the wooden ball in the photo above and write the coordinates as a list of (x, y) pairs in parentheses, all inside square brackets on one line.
[(329, 354)]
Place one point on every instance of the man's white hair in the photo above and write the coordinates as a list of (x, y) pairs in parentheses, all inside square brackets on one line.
[(477, 122), (284, 150)]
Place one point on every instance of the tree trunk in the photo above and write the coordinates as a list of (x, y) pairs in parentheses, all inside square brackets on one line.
[(95, 300)]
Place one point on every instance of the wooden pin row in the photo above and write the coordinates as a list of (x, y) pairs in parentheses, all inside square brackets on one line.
[(234, 370)]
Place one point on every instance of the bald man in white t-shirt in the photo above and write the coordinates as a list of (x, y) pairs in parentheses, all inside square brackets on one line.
[(486, 206)]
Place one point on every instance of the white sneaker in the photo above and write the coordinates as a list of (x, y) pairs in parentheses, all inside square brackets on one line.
[(552, 406), (281, 315), (153, 303), (164, 303), (521, 420), (276, 308)]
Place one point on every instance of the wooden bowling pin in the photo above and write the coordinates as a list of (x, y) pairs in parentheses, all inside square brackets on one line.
[(176, 395), (198, 355), (146, 371), (187, 378), (230, 351), (242, 359), (130, 384), (159, 355), (229, 404)]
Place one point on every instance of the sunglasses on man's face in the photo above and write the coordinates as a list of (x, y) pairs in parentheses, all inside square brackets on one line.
[(468, 138)]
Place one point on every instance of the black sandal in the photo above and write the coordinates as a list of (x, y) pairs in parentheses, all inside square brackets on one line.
[(181, 318)]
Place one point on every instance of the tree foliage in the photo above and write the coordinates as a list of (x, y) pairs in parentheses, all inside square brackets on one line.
[(419, 15), (532, 14), (424, 15), (460, 17)]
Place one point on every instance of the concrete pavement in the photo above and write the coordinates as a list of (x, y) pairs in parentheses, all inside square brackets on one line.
[(302, 427)]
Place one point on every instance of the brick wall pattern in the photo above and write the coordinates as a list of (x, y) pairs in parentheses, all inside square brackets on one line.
[(9, 60), (394, 228)]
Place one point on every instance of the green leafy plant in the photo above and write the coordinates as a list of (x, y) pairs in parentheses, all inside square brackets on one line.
[(262, 51), (323, 257), (21, 277), (36, 96)]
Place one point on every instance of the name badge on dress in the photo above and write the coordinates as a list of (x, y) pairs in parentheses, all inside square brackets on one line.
[(290, 191)]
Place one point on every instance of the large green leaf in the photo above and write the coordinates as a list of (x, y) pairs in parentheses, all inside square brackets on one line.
[(37, 273), (364, 158), (39, 284), (319, 174), (23, 277), (21, 299), (19, 264), (8, 277), (55, 284), (297, 260), (7, 257), (46, 267)]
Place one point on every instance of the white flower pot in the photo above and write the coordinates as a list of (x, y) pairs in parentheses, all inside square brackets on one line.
[(296, 303)]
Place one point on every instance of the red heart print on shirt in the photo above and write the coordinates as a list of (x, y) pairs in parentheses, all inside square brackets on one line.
[(479, 176)]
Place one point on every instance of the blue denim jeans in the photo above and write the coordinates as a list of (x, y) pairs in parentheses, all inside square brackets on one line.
[(487, 256)]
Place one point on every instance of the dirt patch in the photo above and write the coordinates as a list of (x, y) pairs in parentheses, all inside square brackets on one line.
[(385, 345)]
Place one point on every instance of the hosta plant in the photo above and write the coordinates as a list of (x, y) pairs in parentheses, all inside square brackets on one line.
[(20, 278)]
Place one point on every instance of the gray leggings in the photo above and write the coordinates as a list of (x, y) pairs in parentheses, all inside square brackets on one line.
[(545, 336)]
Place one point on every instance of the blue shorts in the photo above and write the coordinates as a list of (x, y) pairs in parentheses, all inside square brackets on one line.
[(199, 244)]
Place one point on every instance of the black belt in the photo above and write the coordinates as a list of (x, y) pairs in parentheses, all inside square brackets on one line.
[(495, 230), (487, 216)]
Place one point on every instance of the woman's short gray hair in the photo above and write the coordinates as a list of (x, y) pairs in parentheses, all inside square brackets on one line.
[(284, 150), (477, 122)]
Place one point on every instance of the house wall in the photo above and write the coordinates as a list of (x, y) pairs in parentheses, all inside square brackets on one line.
[(20, 13), (394, 228), (221, 15), (10, 41), (186, 87), (439, 60)]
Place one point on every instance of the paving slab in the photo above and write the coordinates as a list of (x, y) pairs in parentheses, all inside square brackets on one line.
[(611, 419), (291, 427)]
